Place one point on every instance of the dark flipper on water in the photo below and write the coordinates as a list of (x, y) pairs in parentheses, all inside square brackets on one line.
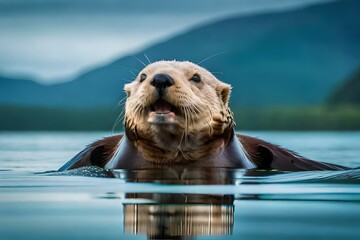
[(96, 154), (270, 156)]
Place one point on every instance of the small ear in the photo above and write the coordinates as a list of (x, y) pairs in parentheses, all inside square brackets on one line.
[(127, 88), (223, 91)]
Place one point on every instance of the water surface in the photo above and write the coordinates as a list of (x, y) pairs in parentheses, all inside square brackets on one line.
[(177, 203)]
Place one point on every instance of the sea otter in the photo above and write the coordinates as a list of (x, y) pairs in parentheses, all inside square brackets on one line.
[(177, 114)]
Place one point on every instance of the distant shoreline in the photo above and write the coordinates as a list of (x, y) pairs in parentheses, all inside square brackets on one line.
[(322, 118)]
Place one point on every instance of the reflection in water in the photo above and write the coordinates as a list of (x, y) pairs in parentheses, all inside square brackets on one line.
[(166, 219), (178, 216), (184, 214)]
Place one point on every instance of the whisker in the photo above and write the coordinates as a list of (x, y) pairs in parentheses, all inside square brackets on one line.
[(133, 73), (181, 139), (123, 117), (214, 55), (209, 122), (186, 142), (195, 109), (118, 120), (115, 124), (178, 148), (193, 112), (147, 58), (126, 80), (122, 101), (138, 108), (219, 73), (129, 68), (139, 61)]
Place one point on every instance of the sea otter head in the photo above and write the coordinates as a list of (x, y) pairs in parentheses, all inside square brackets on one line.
[(176, 111)]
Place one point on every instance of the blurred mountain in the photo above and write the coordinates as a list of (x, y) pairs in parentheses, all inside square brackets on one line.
[(348, 93), (17, 90), (276, 59)]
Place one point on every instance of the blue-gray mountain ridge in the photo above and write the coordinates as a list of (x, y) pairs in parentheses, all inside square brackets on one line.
[(287, 58)]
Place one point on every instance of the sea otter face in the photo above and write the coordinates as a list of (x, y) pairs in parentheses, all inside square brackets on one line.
[(170, 99)]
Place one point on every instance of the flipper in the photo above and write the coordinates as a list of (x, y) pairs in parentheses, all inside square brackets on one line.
[(270, 156), (95, 154)]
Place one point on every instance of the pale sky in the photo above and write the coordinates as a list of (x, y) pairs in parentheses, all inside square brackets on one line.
[(55, 40)]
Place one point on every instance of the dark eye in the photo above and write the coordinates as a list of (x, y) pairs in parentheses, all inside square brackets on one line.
[(143, 77), (196, 78)]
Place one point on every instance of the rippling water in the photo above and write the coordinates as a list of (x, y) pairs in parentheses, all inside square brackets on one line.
[(177, 203)]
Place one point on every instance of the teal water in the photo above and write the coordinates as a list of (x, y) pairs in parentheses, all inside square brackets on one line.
[(177, 203)]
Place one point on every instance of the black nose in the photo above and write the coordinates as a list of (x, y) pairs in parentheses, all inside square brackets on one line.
[(161, 81)]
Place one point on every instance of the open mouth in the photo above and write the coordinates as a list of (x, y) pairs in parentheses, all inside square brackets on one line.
[(162, 107), (162, 113)]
